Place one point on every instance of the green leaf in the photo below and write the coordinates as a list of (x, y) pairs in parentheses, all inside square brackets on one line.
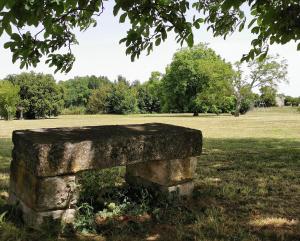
[(150, 48), (71, 3), (242, 25), (10, 3), (8, 29), (272, 39), (251, 54), (128, 50), (122, 40), (15, 57), (252, 22), (255, 30), (82, 3), (164, 34), (132, 57), (157, 41), (59, 9), (2, 4), (123, 17), (298, 47), (7, 45), (190, 40), (116, 10), (196, 25), (262, 56), (22, 64), (16, 37)]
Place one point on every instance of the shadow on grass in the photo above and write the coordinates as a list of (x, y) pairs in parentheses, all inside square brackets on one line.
[(252, 184), (245, 189), (185, 115)]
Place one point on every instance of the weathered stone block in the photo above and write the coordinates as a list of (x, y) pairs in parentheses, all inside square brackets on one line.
[(165, 173), (35, 218), (180, 189), (43, 193), (51, 152)]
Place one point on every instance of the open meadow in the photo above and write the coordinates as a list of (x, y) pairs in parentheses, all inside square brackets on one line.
[(247, 185)]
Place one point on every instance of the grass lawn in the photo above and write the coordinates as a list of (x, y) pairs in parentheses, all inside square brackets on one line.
[(247, 184)]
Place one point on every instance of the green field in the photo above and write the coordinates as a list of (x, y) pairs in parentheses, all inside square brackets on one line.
[(247, 184)]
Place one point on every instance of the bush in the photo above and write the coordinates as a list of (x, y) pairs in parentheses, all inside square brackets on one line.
[(228, 104), (9, 98), (122, 99), (98, 101), (74, 110), (78, 89), (268, 95), (291, 101), (246, 106), (147, 102)]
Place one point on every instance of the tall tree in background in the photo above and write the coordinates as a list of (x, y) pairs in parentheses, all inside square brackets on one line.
[(267, 72), (149, 94), (154, 85), (268, 95), (98, 101), (9, 98), (40, 96), (241, 90), (122, 98), (78, 90), (192, 77), (47, 28)]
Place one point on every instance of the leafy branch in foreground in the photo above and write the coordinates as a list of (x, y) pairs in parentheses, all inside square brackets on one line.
[(46, 28)]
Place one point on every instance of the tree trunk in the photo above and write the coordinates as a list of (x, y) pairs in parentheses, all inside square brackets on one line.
[(196, 114), (238, 107), (21, 115)]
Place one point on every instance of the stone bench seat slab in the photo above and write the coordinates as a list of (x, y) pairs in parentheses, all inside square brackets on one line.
[(61, 151)]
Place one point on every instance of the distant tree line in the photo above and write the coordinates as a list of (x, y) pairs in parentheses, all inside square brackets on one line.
[(292, 101), (196, 81)]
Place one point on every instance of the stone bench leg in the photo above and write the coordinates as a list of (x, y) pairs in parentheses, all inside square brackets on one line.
[(41, 199), (173, 176)]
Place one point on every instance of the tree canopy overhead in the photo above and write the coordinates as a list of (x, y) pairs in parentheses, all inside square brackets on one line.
[(44, 27)]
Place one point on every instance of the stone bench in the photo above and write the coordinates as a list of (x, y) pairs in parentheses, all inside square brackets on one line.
[(46, 161)]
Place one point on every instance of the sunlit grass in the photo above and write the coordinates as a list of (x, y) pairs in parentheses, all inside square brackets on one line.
[(247, 184), (269, 123), (273, 222)]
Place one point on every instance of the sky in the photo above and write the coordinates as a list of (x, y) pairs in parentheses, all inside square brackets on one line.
[(99, 53)]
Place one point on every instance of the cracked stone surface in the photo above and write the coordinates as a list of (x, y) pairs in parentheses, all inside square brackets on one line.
[(57, 151)]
